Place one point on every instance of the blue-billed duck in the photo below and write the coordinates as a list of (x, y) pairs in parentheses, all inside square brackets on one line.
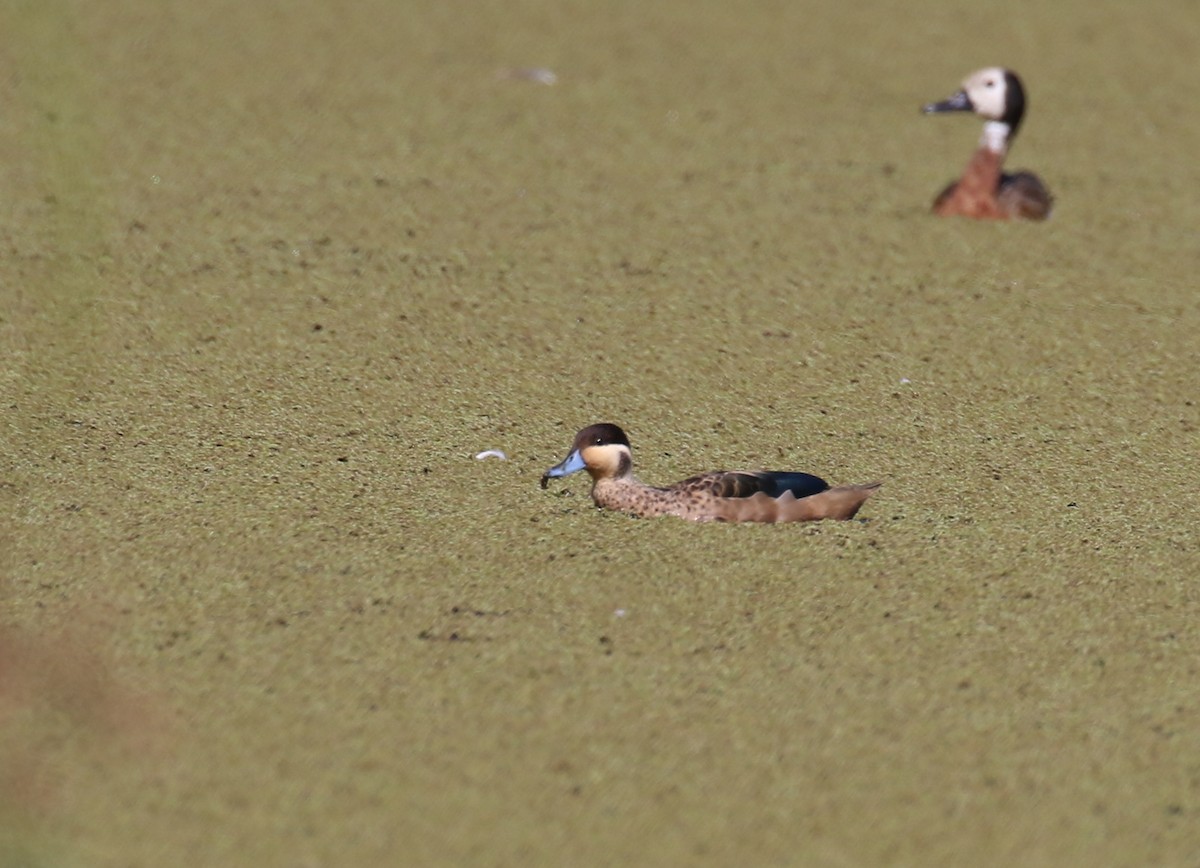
[(725, 495)]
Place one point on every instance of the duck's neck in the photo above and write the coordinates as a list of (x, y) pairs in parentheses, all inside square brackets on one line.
[(619, 482), (996, 136)]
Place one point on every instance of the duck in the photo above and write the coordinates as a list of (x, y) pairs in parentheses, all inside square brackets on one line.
[(603, 450), (985, 191)]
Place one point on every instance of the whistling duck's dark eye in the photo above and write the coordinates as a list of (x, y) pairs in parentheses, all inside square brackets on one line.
[(991, 82)]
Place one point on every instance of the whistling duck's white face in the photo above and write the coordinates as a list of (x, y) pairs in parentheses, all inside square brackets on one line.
[(995, 94), (987, 90)]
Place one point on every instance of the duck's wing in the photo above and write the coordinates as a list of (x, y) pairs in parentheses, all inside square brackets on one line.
[(769, 497), (744, 483), (1022, 194), (841, 502)]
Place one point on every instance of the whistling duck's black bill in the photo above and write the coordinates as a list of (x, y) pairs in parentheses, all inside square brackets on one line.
[(960, 102)]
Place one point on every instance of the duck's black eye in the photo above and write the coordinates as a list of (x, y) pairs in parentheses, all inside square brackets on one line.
[(991, 82)]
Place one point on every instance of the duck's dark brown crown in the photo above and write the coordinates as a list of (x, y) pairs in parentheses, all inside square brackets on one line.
[(601, 434)]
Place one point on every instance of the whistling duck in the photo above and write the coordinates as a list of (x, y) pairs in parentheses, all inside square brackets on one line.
[(984, 190)]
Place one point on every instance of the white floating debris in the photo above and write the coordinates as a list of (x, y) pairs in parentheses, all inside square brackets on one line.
[(491, 453), (620, 613), (537, 74), (905, 380)]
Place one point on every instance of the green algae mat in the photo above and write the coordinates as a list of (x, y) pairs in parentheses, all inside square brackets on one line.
[(272, 274)]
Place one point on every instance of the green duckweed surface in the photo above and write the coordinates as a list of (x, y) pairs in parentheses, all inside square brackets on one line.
[(272, 273)]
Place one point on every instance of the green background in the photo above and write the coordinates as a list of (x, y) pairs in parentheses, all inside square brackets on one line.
[(272, 273)]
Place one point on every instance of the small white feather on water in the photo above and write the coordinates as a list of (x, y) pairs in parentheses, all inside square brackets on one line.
[(491, 453), (537, 74)]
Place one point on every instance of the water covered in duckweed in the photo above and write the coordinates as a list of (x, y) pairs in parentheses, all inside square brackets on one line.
[(275, 273)]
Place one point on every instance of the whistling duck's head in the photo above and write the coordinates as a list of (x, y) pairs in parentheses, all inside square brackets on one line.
[(995, 94), (602, 450)]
